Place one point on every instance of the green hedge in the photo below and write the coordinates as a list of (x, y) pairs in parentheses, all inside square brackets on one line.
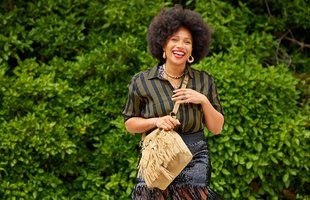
[(64, 70), (263, 148)]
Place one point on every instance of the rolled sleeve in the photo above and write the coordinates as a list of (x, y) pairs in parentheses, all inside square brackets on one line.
[(134, 101), (214, 97)]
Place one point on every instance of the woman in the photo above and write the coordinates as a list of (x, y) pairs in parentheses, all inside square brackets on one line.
[(177, 38)]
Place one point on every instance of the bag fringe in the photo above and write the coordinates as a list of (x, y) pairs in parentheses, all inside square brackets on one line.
[(155, 155)]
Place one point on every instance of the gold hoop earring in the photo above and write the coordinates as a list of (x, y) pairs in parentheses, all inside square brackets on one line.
[(164, 55), (190, 59)]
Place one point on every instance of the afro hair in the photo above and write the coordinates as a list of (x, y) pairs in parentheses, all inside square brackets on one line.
[(169, 21)]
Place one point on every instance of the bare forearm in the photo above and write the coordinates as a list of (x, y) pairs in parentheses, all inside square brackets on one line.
[(139, 124), (214, 120)]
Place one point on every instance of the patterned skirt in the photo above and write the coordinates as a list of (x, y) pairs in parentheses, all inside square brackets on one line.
[(192, 183)]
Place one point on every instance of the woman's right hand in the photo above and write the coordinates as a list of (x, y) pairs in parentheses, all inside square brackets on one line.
[(166, 122)]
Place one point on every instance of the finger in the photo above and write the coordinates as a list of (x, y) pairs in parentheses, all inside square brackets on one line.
[(176, 122), (179, 92), (167, 127), (169, 121), (179, 97), (184, 98), (183, 101), (162, 123), (173, 122)]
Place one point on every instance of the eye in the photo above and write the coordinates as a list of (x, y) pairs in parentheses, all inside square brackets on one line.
[(188, 42)]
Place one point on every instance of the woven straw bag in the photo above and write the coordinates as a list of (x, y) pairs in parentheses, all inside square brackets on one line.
[(164, 155)]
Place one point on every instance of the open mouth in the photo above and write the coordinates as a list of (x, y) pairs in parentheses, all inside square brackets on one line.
[(178, 54)]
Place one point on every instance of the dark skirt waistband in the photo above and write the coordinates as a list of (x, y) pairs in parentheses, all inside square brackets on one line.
[(193, 137), (189, 138)]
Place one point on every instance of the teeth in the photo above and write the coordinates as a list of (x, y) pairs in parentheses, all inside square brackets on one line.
[(179, 53)]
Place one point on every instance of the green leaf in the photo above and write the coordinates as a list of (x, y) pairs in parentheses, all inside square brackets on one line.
[(285, 178), (84, 185), (274, 159), (240, 129), (240, 170), (286, 161), (34, 194), (259, 147), (236, 158), (225, 171), (249, 165), (297, 141), (237, 137)]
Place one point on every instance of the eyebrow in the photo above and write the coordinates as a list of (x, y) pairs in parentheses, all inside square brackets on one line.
[(179, 36)]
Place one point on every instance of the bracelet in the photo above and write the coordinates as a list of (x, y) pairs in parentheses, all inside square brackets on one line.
[(155, 123)]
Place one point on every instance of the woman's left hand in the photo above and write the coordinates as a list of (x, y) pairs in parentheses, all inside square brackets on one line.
[(188, 96)]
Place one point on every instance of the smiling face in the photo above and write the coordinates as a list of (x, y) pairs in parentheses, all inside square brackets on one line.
[(179, 47)]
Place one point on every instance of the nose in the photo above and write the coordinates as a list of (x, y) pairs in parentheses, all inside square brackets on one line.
[(180, 44)]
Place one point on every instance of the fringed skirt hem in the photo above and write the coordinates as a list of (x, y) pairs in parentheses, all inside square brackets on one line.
[(175, 192)]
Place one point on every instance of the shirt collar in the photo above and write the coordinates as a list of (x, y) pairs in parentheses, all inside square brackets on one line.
[(154, 72)]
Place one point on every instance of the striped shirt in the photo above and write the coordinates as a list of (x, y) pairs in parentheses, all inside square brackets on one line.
[(149, 95)]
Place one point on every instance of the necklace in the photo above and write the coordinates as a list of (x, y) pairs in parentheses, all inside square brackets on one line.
[(176, 86), (171, 76)]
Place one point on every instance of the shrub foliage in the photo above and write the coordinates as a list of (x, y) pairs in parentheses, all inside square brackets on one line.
[(64, 70)]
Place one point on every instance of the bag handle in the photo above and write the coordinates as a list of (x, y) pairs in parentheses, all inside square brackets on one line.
[(176, 105)]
